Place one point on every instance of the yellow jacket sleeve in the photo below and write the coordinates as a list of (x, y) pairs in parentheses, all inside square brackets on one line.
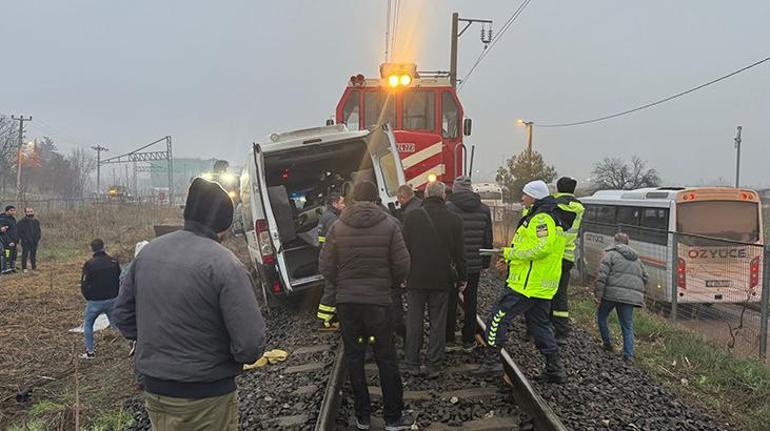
[(540, 240)]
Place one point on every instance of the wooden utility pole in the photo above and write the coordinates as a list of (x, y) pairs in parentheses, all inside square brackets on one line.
[(21, 119), (99, 149)]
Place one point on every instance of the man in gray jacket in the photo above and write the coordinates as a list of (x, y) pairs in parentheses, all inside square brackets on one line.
[(190, 305), (620, 285)]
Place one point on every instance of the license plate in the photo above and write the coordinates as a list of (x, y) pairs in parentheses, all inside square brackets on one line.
[(718, 283), (406, 148)]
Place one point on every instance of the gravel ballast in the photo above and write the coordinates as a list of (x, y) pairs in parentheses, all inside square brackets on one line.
[(602, 392)]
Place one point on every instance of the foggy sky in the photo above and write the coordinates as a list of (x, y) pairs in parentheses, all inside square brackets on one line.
[(219, 75)]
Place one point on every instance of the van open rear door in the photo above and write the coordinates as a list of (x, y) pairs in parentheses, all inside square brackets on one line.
[(390, 172), (268, 234)]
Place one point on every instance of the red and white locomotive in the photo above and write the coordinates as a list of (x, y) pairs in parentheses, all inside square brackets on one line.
[(424, 112)]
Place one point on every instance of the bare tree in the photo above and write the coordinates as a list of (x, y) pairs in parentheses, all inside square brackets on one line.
[(614, 173), (83, 164), (9, 143)]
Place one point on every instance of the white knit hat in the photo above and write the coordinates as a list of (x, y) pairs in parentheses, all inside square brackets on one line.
[(536, 189)]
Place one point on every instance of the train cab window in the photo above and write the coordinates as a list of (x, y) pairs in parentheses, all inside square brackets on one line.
[(379, 108), (654, 222), (352, 111), (419, 110), (450, 116)]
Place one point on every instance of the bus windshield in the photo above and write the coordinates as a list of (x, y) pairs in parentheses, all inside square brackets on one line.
[(730, 220)]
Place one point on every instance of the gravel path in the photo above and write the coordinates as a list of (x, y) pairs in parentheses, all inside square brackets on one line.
[(602, 392)]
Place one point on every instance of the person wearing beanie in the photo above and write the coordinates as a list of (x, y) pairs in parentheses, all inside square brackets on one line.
[(365, 258), (534, 267), (187, 296), (571, 212), (477, 234), (10, 251), (434, 237)]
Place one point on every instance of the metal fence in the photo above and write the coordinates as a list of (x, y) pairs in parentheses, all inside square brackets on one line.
[(57, 205), (717, 287)]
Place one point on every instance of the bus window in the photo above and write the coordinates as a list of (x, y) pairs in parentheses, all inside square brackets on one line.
[(419, 110), (379, 108), (450, 116), (628, 220), (655, 222), (352, 110), (730, 220), (389, 173)]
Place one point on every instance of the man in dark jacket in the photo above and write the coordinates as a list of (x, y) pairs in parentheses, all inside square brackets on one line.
[(190, 305), (99, 284), (8, 219), (434, 237), (620, 284), (365, 258), (327, 306), (407, 201), (477, 233), (29, 234)]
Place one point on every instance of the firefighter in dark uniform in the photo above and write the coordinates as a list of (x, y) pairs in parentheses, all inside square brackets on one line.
[(571, 212), (327, 308), (534, 267)]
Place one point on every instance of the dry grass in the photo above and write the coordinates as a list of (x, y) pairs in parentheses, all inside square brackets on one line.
[(37, 310)]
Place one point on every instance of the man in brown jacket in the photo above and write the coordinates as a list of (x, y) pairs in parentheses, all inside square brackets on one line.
[(365, 257)]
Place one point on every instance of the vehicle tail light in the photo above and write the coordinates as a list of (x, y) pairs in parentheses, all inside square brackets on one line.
[(681, 279), (754, 271), (276, 287), (265, 243)]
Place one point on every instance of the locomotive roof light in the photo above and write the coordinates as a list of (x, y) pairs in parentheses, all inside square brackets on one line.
[(396, 75)]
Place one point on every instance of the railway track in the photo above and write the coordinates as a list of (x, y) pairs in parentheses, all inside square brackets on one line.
[(456, 401)]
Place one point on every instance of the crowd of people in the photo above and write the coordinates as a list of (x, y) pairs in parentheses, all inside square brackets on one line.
[(188, 305), (25, 233)]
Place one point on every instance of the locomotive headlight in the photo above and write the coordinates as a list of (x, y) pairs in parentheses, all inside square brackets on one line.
[(405, 80), (227, 178), (432, 178), (393, 81), (208, 176)]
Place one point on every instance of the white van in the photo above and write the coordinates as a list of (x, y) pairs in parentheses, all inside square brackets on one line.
[(283, 189)]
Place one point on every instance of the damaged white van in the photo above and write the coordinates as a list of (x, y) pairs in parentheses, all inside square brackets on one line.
[(284, 186)]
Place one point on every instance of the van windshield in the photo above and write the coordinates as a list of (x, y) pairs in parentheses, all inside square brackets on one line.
[(730, 220)]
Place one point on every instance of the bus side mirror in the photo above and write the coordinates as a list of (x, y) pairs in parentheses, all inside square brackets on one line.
[(329, 122), (467, 126)]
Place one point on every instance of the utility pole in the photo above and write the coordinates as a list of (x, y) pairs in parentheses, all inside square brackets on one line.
[(21, 121), (486, 37), (738, 158), (99, 149)]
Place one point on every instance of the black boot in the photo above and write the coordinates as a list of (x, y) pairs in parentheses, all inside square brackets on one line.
[(554, 370), (491, 363)]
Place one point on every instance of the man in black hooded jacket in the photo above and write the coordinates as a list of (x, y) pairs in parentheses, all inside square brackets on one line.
[(477, 232)]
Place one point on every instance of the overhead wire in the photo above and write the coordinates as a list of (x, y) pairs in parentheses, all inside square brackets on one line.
[(487, 49), (657, 102)]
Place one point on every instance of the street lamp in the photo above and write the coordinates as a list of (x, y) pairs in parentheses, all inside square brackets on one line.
[(529, 125)]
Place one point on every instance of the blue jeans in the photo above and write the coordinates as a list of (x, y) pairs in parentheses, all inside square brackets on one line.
[(626, 318), (93, 310)]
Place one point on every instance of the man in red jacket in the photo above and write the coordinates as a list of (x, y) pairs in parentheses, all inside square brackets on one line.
[(365, 257)]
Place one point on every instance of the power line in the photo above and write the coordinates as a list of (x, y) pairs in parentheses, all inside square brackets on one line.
[(658, 102), (394, 33), (487, 49)]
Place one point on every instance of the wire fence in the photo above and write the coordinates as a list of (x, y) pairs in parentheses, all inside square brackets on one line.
[(58, 205), (717, 287)]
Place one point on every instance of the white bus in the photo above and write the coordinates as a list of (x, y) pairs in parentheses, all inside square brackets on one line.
[(491, 194), (719, 246)]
